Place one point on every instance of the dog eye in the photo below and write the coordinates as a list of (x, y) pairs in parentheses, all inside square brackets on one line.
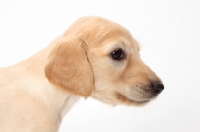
[(117, 54)]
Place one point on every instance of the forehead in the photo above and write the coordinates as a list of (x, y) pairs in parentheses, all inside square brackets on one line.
[(100, 33), (112, 38), (109, 34)]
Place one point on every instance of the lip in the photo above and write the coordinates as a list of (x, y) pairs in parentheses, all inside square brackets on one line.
[(125, 99)]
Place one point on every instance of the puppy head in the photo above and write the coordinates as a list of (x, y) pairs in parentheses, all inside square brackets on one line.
[(100, 58)]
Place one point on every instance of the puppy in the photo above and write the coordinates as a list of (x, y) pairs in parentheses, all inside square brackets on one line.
[(95, 58)]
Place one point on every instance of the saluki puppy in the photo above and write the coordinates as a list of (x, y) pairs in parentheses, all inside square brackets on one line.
[(95, 57)]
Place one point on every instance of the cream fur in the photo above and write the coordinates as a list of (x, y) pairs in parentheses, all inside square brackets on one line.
[(35, 94)]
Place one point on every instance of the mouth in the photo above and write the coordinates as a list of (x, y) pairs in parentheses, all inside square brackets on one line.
[(129, 101)]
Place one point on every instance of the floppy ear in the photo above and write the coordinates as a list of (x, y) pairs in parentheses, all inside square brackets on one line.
[(69, 69)]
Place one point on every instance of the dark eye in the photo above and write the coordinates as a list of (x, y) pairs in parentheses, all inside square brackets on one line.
[(117, 54)]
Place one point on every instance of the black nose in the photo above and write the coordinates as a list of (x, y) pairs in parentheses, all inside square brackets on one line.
[(158, 87)]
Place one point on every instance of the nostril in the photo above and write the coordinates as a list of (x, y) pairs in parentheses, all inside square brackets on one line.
[(158, 87)]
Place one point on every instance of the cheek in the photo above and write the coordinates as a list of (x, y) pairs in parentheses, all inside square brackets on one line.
[(108, 79), (105, 69), (107, 72)]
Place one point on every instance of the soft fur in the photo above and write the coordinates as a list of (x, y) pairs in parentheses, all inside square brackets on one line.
[(36, 93)]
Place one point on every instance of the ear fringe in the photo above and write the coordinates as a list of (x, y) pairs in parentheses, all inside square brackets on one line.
[(68, 68)]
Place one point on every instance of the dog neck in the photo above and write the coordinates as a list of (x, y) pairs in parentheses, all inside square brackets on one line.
[(29, 74)]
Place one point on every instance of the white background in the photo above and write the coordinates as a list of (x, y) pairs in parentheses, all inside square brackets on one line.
[(169, 32)]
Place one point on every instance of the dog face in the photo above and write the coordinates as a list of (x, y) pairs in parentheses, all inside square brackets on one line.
[(99, 58)]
